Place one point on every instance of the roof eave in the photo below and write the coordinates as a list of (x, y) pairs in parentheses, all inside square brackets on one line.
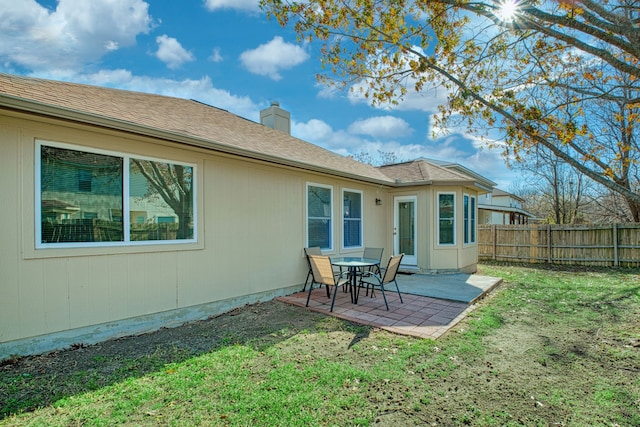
[(484, 181), (400, 183), (482, 186), (34, 107), (496, 208), (482, 189)]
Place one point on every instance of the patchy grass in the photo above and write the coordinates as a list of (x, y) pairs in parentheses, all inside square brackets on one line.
[(551, 346)]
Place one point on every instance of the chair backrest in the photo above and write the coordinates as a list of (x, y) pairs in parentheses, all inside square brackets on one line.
[(392, 268), (313, 250), (374, 253), (322, 270)]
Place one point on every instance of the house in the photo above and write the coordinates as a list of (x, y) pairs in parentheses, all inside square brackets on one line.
[(125, 212), (434, 215), (500, 207)]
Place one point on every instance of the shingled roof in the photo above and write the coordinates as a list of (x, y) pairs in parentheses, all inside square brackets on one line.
[(421, 171), (195, 123), (175, 119), (461, 169)]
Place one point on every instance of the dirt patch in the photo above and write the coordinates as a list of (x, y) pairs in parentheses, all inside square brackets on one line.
[(522, 372), (252, 323)]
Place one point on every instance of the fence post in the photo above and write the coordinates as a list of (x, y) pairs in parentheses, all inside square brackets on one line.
[(616, 261), (495, 239), (549, 243), (534, 239)]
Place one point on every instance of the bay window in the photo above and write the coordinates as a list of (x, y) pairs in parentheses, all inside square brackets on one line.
[(469, 207), (446, 218)]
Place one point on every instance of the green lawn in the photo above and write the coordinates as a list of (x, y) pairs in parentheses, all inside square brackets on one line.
[(550, 346)]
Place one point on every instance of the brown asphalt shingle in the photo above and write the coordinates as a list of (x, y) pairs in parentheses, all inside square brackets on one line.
[(185, 118), (185, 121), (422, 171)]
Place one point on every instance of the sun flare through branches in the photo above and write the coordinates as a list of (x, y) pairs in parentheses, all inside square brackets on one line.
[(507, 9)]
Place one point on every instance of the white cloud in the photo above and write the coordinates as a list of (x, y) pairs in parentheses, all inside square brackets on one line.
[(456, 148), (245, 5), (171, 52), (381, 127), (111, 45), (343, 142), (428, 99), (215, 55), (327, 92), (201, 89), (77, 32), (270, 58), (313, 129)]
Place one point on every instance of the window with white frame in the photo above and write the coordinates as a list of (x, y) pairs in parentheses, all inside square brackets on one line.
[(446, 218), (88, 197), (319, 216), (469, 206), (352, 218)]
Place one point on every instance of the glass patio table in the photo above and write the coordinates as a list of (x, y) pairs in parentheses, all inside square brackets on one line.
[(352, 264)]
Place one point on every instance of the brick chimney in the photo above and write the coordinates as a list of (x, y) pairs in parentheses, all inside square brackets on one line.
[(276, 118)]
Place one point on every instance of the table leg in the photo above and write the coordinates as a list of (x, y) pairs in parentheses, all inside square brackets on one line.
[(355, 291)]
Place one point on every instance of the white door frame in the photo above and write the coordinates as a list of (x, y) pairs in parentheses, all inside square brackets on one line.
[(411, 255)]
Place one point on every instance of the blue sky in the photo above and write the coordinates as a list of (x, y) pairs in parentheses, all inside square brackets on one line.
[(225, 53)]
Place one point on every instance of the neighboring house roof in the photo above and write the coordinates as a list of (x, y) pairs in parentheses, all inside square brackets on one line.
[(500, 193), (497, 208), (58, 206), (194, 123), (424, 171)]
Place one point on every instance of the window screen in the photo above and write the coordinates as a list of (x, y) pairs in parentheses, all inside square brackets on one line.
[(446, 219), (319, 214), (352, 219), (79, 190)]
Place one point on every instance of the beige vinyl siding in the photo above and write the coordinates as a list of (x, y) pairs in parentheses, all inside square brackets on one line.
[(451, 257), (253, 222), (10, 275), (251, 225), (443, 257), (250, 210)]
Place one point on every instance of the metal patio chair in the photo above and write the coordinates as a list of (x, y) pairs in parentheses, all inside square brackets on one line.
[(373, 253), (323, 274), (379, 281), (313, 250)]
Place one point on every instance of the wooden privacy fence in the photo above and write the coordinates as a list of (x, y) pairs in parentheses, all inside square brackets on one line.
[(594, 245)]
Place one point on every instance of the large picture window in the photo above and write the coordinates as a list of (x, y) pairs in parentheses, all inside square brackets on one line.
[(469, 206), (446, 219), (91, 198), (352, 218), (319, 216)]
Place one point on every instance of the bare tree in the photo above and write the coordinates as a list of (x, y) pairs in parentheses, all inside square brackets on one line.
[(609, 207), (552, 190), (383, 158), (529, 76)]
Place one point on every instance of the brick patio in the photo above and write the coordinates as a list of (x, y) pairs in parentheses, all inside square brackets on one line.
[(419, 316)]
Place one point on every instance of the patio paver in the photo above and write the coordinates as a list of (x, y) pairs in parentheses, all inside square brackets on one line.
[(420, 316)]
